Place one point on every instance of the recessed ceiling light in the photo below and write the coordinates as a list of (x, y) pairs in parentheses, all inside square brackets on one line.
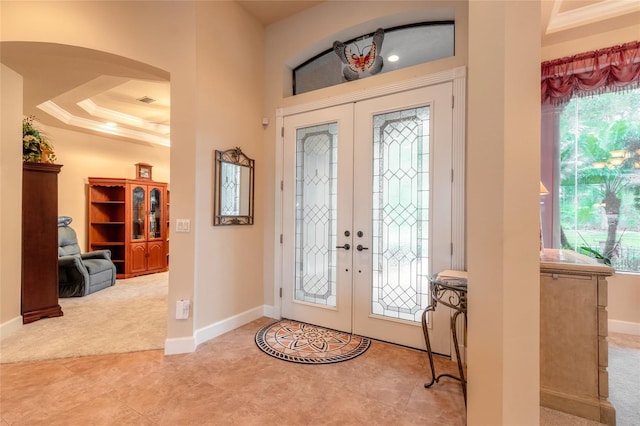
[(393, 58), (111, 124)]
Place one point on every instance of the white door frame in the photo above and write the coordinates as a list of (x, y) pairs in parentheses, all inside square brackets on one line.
[(458, 78)]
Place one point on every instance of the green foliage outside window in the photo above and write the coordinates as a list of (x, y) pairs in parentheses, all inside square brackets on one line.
[(600, 177)]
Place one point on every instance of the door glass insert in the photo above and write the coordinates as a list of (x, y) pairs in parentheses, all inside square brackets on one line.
[(316, 199), (400, 213), (138, 206), (155, 213)]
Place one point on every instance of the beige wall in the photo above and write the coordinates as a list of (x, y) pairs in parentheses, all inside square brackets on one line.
[(204, 83), (624, 303), (555, 47), (503, 154), (10, 200), (84, 156), (164, 39), (230, 63), (216, 97)]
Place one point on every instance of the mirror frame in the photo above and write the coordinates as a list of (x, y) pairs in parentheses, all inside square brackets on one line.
[(237, 157)]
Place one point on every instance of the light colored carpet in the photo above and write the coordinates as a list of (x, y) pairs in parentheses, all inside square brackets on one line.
[(624, 392), (549, 417), (129, 316), (624, 385)]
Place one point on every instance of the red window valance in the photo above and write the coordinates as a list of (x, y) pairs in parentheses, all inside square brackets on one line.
[(605, 70)]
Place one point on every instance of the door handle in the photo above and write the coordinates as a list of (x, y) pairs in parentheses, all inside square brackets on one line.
[(360, 247), (346, 246)]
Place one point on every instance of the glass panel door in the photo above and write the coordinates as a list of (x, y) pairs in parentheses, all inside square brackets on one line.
[(367, 215), (138, 213), (155, 213), (402, 218), (317, 218)]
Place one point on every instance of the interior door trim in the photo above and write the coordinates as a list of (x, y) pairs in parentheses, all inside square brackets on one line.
[(457, 76)]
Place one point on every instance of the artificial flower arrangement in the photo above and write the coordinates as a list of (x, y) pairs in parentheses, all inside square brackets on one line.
[(36, 147)]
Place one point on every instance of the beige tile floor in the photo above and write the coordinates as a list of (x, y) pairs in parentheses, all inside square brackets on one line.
[(228, 380)]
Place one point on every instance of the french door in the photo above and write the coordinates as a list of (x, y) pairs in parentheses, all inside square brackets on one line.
[(367, 215)]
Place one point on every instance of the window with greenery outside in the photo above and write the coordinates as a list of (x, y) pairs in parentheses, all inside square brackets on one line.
[(599, 188)]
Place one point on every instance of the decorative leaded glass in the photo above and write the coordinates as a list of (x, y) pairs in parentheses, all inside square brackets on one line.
[(401, 214), (316, 199)]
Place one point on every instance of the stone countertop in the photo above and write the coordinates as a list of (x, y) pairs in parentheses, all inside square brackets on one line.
[(559, 260)]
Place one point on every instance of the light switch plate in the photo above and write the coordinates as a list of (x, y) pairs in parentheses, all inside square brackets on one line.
[(182, 309), (183, 225)]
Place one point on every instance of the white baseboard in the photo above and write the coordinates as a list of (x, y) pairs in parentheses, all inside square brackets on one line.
[(625, 327), (228, 324), (271, 311), (7, 328), (188, 344), (179, 345)]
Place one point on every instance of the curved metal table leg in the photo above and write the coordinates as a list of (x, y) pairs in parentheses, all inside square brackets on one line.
[(459, 306), (454, 332), (428, 343)]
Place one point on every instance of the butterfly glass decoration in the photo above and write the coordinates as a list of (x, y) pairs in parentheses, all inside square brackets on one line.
[(367, 59)]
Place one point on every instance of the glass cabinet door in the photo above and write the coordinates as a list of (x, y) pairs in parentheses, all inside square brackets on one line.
[(138, 213), (155, 213)]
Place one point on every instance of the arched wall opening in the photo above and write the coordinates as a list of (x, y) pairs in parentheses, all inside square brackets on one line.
[(63, 74)]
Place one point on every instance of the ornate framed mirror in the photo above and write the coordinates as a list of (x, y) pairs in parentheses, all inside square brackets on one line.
[(233, 186)]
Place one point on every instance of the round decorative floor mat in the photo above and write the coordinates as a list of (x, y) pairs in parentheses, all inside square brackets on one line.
[(295, 341)]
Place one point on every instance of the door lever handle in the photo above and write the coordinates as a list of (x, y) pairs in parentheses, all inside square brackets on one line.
[(360, 247), (346, 246)]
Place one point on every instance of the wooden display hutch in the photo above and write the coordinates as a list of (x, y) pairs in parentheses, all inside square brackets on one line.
[(129, 217), (40, 241)]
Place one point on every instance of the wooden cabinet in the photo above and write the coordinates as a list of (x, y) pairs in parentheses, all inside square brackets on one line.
[(40, 241), (128, 217), (573, 335)]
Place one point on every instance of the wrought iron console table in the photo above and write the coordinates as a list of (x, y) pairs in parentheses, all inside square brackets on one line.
[(453, 294)]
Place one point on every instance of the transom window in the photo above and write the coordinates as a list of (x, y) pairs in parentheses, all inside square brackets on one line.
[(381, 51)]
